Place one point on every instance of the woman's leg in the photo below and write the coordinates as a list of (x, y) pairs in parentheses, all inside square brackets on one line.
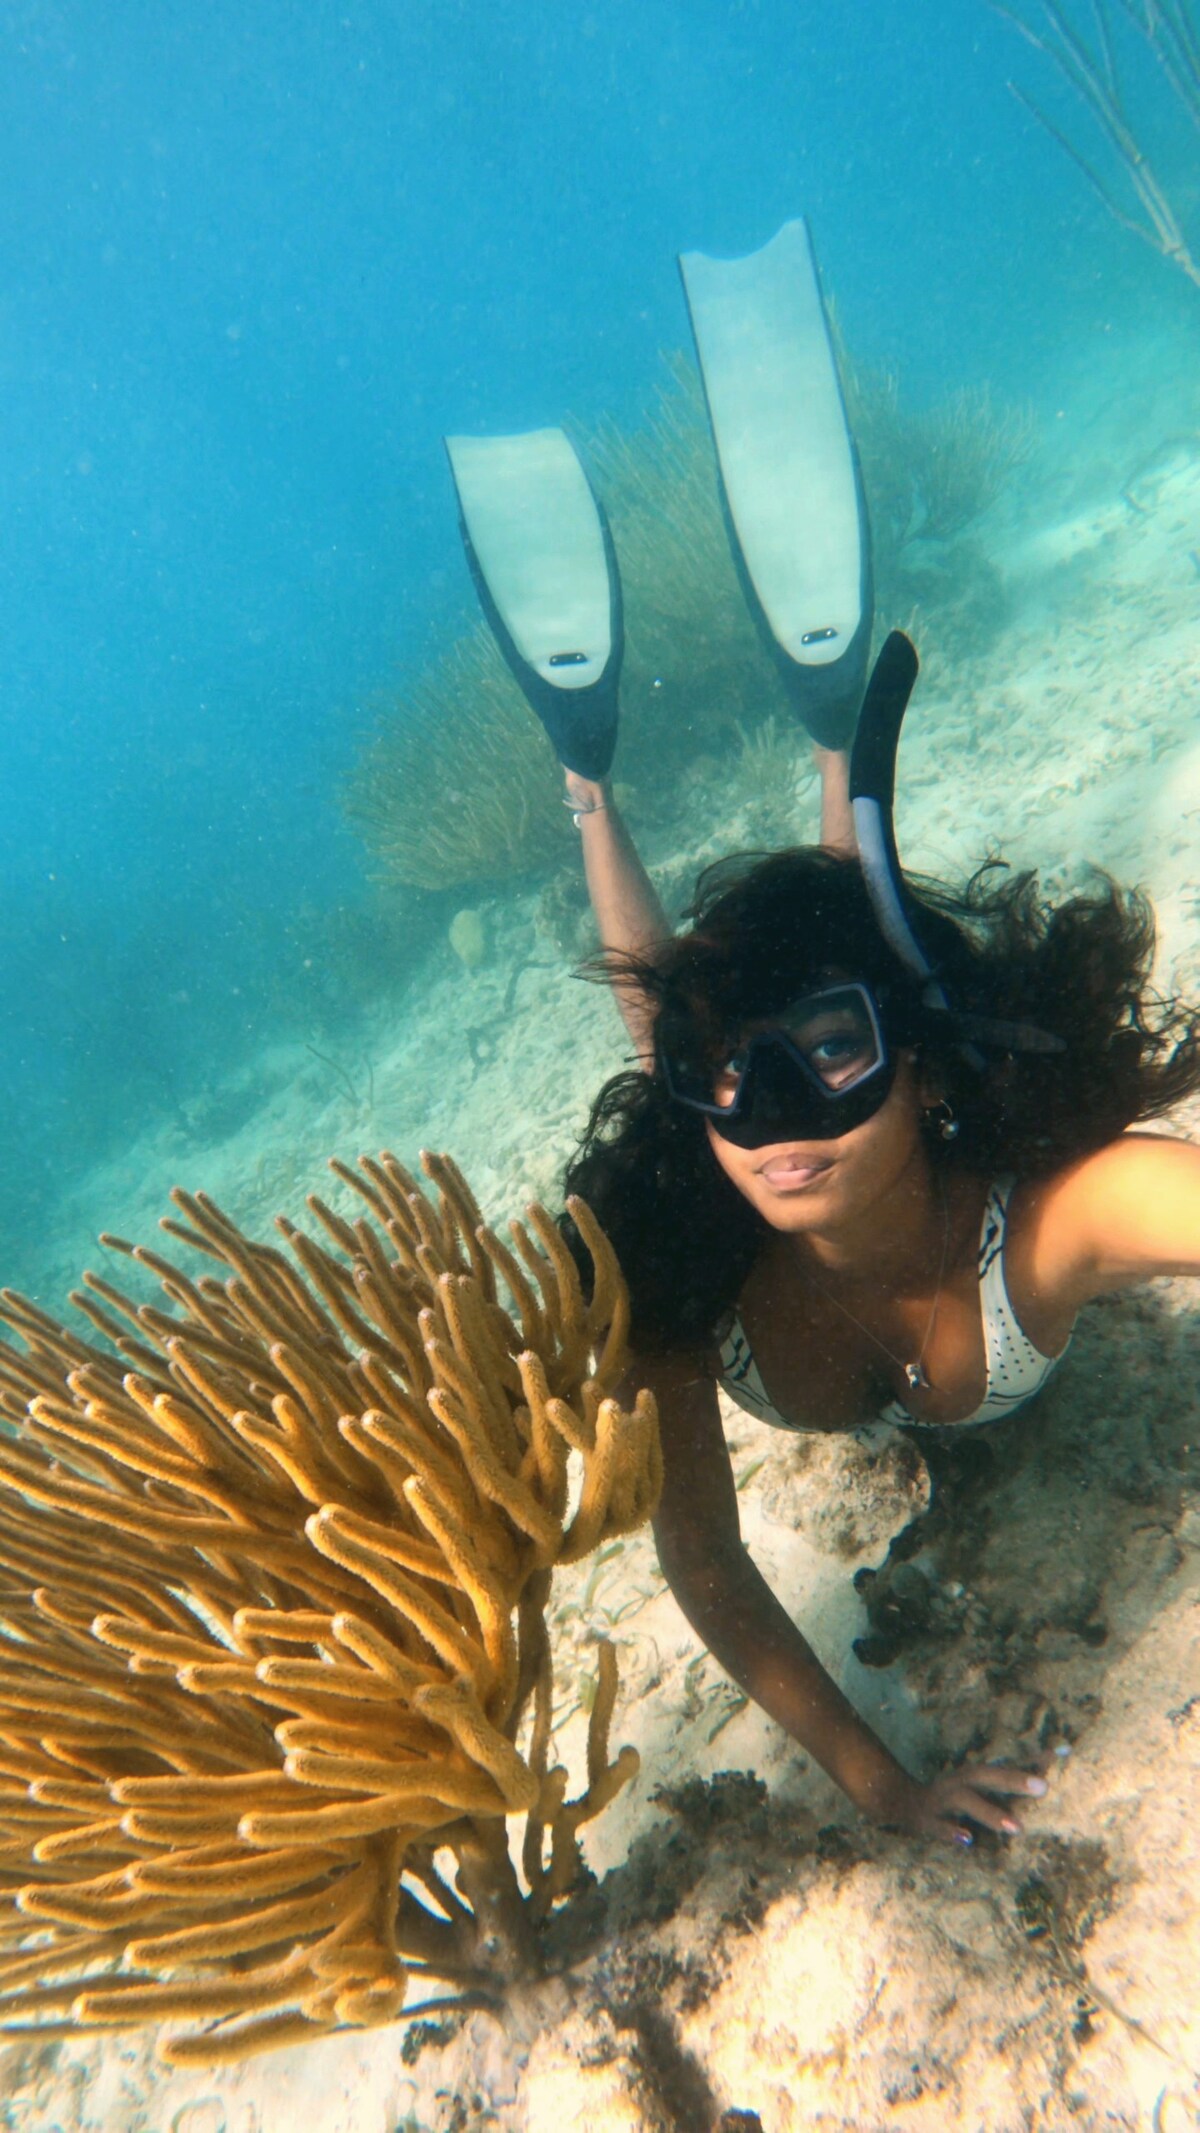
[(837, 820), (625, 902), (627, 909)]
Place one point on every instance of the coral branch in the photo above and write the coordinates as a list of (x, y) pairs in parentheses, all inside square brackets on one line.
[(1171, 35), (269, 1641)]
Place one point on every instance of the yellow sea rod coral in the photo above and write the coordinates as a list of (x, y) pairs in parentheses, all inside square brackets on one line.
[(274, 1564)]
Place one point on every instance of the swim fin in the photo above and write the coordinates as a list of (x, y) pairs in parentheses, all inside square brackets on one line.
[(789, 469), (543, 563)]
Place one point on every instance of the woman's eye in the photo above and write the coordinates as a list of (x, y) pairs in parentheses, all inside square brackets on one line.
[(839, 1058), (727, 1077)]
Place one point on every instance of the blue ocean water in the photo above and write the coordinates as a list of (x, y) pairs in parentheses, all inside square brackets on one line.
[(256, 262)]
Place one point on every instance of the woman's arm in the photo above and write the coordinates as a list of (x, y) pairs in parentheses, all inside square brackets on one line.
[(1120, 1216), (732, 1608)]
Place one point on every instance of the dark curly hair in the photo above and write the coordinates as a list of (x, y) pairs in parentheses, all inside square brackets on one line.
[(762, 927)]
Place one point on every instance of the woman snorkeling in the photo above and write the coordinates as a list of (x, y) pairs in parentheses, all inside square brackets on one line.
[(844, 1203), (876, 1154)]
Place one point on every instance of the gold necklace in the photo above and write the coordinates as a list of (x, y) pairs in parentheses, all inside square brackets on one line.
[(915, 1375)]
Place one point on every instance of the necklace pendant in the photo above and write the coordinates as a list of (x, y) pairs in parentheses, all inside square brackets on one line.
[(915, 1378)]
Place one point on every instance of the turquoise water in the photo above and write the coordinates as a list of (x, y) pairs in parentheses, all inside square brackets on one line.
[(257, 263)]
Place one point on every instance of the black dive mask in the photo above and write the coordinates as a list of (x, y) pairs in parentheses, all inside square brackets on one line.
[(813, 1071)]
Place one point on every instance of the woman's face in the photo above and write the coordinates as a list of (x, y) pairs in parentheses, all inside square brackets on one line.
[(818, 1185)]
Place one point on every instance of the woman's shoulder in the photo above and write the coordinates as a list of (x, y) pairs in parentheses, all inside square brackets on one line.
[(1132, 1159), (1107, 1218)]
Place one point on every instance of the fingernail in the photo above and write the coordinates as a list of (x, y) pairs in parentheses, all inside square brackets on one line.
[(1010, 1828), (962, 1836), (1035, 1785)]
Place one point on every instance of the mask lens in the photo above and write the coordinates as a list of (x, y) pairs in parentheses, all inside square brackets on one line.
[(835, 1034), (727, 1080), (832, 1034)]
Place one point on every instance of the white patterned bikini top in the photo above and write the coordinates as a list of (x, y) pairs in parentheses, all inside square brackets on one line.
[(1015, 1368)]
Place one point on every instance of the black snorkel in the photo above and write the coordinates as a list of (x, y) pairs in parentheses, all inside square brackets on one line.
[(872, 799)]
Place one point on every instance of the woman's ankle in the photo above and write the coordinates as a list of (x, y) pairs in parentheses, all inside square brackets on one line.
[(587, 796)]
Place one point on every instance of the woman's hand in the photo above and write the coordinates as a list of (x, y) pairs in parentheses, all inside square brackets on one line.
[(953, 1800)]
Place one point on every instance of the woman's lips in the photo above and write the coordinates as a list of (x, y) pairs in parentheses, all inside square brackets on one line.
[(790, 1173)]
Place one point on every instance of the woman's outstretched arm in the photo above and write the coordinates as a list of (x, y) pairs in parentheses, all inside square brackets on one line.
[(732, 1608), (1123, 1215)]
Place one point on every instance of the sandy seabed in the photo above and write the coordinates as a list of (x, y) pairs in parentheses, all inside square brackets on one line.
[(753, 1954)]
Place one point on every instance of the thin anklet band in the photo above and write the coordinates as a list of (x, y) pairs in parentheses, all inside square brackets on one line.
[(598, 807)]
